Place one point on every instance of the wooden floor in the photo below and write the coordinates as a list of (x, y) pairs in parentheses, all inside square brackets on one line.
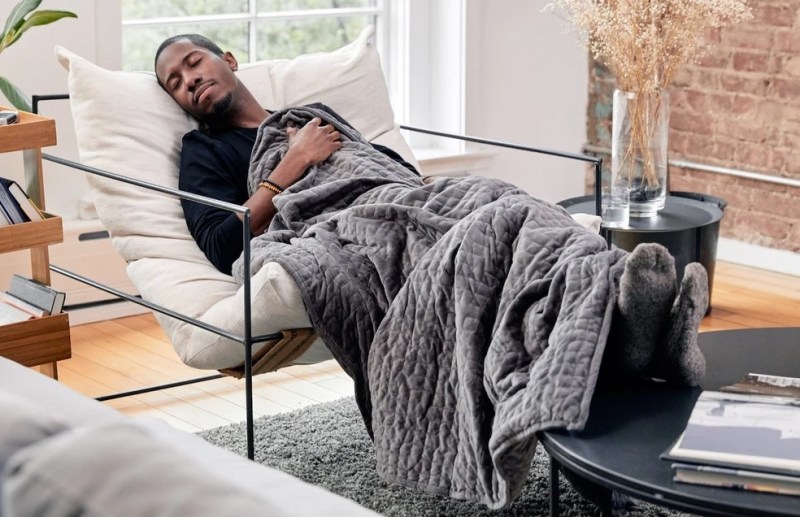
[(130, 353)]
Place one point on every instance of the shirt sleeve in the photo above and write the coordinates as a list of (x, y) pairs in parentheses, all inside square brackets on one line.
[(206, 170)]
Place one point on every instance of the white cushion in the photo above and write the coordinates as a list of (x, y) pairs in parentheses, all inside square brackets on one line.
[(125, 123), (23, 424), (129, 469), (589, 221)]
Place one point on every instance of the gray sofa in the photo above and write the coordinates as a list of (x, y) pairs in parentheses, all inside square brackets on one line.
[(62, 453)]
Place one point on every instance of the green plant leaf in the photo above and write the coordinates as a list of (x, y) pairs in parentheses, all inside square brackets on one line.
[(18, 13), (14, 95), (42, 17)]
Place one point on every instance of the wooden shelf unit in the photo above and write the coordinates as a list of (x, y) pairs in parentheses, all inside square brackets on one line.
[(35, 234), (31, 132), (39, 341)]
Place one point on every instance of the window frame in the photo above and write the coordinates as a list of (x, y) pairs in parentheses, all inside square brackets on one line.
[(252, 17)]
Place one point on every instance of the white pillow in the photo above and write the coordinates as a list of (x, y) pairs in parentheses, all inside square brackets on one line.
[(125, 123), (589, 221)]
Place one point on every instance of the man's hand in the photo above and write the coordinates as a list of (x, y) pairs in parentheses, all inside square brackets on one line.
[(314, 143)]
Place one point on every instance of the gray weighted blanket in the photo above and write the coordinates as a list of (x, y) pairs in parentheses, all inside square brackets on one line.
[(469, 314)]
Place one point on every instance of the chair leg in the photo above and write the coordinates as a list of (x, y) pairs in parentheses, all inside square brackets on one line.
[(248, 394)]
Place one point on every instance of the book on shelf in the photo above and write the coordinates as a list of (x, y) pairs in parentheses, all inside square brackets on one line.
[(747, 440), (15, 204), (11, 314), (7, 209), (12, 300), (37, 294)]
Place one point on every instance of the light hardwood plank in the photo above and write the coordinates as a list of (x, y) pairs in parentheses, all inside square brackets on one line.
[(133, 352)]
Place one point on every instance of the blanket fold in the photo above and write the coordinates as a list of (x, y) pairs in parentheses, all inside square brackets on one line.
[(469, 314)]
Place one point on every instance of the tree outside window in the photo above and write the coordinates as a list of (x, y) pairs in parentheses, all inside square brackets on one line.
[(251, 29)]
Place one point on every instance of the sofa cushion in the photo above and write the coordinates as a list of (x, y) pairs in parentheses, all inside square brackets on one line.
[(23, 423), (49, 397), (116, 470), (129, 469)]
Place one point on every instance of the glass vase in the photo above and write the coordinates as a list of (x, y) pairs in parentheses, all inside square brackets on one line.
[(640, 130)]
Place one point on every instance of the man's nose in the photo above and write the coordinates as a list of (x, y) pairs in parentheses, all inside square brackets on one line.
[(192, 82)]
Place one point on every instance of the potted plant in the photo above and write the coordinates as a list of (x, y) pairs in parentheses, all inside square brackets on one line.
[(22, 17), (643, 43)]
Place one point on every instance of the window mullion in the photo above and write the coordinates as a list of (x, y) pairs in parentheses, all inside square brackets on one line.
[(252, 40)]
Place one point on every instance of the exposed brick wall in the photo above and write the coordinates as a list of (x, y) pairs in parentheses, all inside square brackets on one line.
[(738, 107)]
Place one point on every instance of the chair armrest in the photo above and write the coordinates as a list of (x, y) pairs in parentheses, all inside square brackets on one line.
[(230, 207), (598, 162)]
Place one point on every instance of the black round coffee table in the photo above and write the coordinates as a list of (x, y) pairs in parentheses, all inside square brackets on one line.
[(630, 427)]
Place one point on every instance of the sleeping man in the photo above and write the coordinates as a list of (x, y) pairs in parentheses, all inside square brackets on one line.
[(469, 314)]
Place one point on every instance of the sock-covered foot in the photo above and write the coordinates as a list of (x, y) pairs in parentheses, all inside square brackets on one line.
[(646, 293), (679, 358)]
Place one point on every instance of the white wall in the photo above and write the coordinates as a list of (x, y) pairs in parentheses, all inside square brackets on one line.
[(31, 65), (526, 83)]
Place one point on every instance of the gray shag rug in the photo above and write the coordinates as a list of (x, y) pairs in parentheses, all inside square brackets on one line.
[(327, 445)]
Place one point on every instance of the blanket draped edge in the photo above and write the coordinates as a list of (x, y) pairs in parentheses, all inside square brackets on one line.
[(469, 314)]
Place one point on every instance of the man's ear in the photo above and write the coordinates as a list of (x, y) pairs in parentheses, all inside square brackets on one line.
[(227, 56)]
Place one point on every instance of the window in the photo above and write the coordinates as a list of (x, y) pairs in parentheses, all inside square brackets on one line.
[(421, 43), (252, 29)]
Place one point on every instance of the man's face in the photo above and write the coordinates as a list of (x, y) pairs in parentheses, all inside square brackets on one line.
[(202, 83)]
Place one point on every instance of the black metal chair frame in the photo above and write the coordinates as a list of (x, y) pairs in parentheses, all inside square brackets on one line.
[(246, 338)]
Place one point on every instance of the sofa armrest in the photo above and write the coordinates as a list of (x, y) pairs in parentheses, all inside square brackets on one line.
[(52, 397)]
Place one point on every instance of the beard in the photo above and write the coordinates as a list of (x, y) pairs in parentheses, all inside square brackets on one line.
[(218, 112)]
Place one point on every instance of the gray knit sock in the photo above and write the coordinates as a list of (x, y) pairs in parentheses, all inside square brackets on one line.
[(679, 359), (646, 293)]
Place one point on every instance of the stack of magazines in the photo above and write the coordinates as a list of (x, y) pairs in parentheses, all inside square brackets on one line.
[(745, 436)]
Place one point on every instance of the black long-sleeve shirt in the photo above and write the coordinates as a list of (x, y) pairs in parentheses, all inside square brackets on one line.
[(215, 164)]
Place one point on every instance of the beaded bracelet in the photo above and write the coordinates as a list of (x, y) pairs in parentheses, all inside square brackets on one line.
[(271, 186)]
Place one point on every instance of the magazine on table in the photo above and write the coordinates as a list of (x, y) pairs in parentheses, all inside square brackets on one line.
[(739, 439), (738, 479), (762, 384)]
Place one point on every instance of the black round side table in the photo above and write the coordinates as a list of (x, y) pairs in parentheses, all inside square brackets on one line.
[(687, 227)]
